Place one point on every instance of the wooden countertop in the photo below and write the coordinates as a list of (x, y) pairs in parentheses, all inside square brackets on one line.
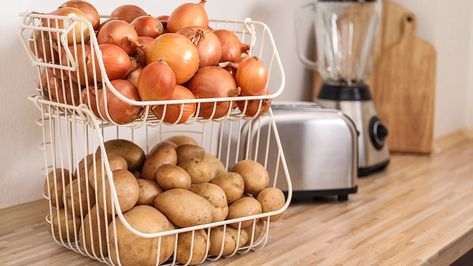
[(418, 212)]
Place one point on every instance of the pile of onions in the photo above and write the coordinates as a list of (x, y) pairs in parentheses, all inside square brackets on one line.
[(47, 52), (232, 48), (188, 15), (120, 33), (127, 13), (156, 82), (251, 76), (213, 82), (148, 26), (116, 61), (120, 112), (173, 111), (83, 56), (207, 44), (88, 9), (79, 28), (255, 105), (178, 52)]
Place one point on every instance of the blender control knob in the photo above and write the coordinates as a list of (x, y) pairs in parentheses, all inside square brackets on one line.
[(378, 132)]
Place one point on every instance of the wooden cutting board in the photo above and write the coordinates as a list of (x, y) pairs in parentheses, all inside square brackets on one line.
[(405, 90)]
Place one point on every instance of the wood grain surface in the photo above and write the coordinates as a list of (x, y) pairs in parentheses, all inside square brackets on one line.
[(418, 212)]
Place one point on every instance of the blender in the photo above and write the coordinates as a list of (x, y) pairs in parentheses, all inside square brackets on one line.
[(345, 32)]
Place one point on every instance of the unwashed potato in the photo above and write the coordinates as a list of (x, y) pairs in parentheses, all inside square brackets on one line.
[(187, 152), (171, 176), (229, 240), (255, 176), (243, 207), (97, 171), (272, 199), (127, 189), (163, 154), (199, 171), (68, 224), (184, 208), (216, 196), (136, 250), (76, 195), (181, 140), (148, 191), (199, 249), (56, 196), (232, 184), (132, 153), (216, 166), (260, 230), (84, 165), (96, 242)]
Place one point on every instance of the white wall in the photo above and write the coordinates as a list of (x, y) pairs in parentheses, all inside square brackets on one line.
[(440, 21)]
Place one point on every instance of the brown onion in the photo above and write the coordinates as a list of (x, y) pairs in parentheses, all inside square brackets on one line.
[(178, 52), (173, 111), (156, 82), (63, 90), (148, 26), (48, 51), (188, 15), (89, 98), (251, 76), (207, 44), (164, 20), (254, 105), (89, 10), (134, 76), (213, 82), (83, 56), (116, 61), (79, 28), (120, 112), (232, 48), (120, 33), (140, 55), (127, 12)]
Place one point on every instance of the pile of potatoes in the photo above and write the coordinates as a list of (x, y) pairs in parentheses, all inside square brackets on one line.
[(177, 185)]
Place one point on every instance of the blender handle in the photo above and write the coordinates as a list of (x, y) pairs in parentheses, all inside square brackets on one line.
[(298, 15)]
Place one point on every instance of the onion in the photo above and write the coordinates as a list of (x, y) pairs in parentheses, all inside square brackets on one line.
[(116, 61), (48, 51), (178, 52), (188, 15), (127, 12), (232, 48), (63, 90), (148, 26), (207, 44), (120, 112), (120, 33), (88, 9), (251, 76), (140, 51), (134, 76), (173, 111), (164, 20), (213, 82), (90, 99), (231, 68), (156, 82), (79, 28), (254, 105), (83, 56)]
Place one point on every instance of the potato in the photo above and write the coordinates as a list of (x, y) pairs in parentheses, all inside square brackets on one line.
[(187, 152), (76, 196), (229, 240), (163, 154), (92, 242), (243, 207), (171, 176), (244, 237), (216, 166), (132, 153), (68, 224), (148, 191), (127, 189), (260, 230), (114, 160), (216, 196), (256, 178), (84, 166), (199, 249), (272, 199), (137, 174), (232, 184), (135, 250), (56, 196), (184, 208), (199, 171), (181, 140)]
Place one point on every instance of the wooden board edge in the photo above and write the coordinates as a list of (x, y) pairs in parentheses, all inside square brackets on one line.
[(445, 142)]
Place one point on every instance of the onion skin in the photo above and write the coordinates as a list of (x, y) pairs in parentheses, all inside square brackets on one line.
[(188, 15), (81, 64), (45, 52), (174, 110), (134, 76), (253, 105), (178, 52), (66, 11), (207, 44), (232, 48), (119, 111), (120, 33), (148, 26), (164, 20), (156, 82), (140, 55), (127, 12), (88, 9), (251, 76), (116, 61)]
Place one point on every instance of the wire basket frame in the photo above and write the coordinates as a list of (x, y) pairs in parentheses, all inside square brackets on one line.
[(57, 58)]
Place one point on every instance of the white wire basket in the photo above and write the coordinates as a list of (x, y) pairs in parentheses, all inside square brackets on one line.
[(47, 40)]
